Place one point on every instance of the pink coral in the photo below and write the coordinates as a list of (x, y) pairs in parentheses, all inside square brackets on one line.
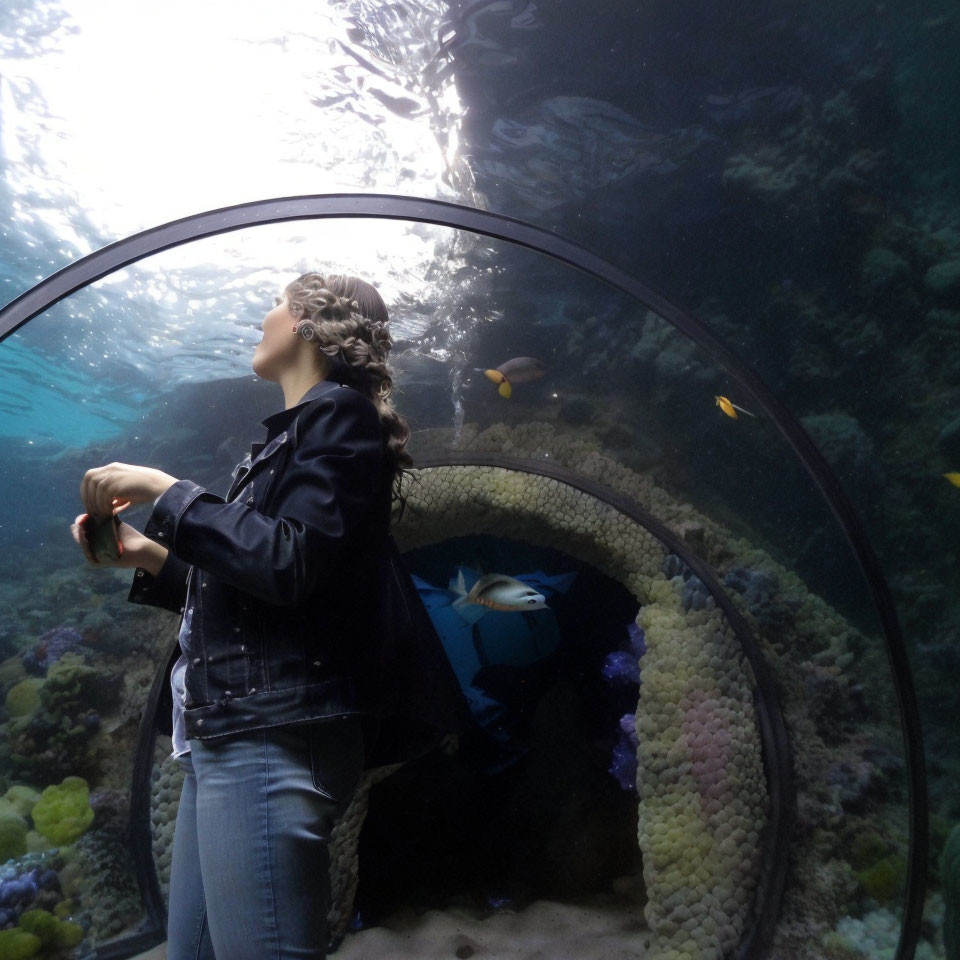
[(709, 743)]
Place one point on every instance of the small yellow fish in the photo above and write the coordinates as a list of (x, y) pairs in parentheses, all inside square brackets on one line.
[(954, 478), (517, 370), (730, 409), (504, 384)]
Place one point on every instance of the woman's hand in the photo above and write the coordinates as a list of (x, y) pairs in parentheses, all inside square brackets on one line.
[(138, 550), (109, 489)]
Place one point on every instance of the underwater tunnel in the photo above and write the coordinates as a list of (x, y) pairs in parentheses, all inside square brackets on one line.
[(776, 782)]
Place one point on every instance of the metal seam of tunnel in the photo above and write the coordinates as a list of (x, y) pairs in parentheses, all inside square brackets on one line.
[(100, 263), (777, 760)]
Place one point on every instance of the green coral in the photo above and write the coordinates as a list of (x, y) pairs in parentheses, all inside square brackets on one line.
[(13, 835), (63, 812), (866, 848), (23, 698), (22, 798), (885, 880), (950, 880), (51, 931), (37, 842), (18, 945), (54, 743)]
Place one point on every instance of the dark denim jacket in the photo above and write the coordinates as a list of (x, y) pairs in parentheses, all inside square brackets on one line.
[(302, 609)]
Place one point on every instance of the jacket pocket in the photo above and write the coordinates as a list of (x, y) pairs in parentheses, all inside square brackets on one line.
[(337, 757), (267, 463)]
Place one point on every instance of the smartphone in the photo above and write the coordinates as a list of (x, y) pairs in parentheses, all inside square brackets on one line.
[(103, 537)]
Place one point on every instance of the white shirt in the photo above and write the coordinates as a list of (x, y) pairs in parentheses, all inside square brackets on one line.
[(177, 687)]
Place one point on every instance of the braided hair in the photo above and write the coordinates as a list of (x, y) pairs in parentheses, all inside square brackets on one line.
[(347, 319)]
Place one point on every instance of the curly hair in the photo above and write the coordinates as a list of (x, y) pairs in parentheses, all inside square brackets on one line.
[(347, 319)]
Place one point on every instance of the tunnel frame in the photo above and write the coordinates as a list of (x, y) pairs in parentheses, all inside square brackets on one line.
[(49, 291)]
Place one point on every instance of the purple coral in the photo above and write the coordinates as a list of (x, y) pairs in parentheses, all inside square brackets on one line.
[(621, 667), (50, 648), (756, 585), (27, 882), (18, 891), (710, 744), (638, 639), (623, 764)]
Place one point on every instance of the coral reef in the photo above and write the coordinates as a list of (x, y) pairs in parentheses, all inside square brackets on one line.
[(702, 803), (72, 700), (166, 784), (32, 903), (52, 740), (50, 648), (702, 808), (344, 866), (703, 798), (105, 887), (872, 937)]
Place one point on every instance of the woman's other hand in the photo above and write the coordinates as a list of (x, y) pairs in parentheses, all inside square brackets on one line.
[(109, 489), (138, 550)]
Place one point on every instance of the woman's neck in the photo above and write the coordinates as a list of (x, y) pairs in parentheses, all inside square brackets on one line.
[(295, 383)]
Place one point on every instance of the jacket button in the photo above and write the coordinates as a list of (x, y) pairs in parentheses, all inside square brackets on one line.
[(196, 660), (252, 690), (139, 573), (200, 723), (209, 658), (203, 583), (271, 471), (243, 648), (159, 534), (316, 663), (227, 693), (237, 630)]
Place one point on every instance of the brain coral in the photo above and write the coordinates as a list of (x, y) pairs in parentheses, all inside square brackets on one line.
[(63, 812), (703, 802), (23, 698)]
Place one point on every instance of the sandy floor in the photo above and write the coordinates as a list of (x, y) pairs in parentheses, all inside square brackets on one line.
[(544, 931)]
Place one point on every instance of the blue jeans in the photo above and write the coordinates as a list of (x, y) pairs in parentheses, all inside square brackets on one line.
[(250, 873)]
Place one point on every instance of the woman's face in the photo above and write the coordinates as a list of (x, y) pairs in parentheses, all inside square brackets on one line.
[(278, 348)]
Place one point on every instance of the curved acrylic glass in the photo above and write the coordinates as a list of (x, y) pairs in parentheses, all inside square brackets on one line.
[(151, 365)]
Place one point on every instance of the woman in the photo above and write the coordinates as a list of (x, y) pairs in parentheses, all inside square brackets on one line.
[(297, 622)]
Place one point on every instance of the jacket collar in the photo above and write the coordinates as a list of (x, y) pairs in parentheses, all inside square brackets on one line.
[(277, 421)]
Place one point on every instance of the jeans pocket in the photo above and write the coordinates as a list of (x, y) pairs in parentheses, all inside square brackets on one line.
[(336, 757)]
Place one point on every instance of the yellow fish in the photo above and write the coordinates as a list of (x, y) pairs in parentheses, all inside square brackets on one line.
[(517, 370), (730, 409), (954, 478)]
